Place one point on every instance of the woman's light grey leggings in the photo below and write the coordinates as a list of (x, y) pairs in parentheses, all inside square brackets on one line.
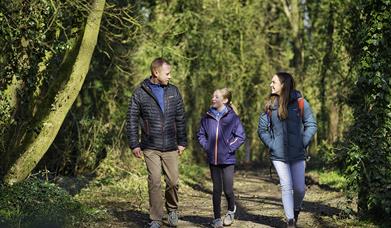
[(292, 183)]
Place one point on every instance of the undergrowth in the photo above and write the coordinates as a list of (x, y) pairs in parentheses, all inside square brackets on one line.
[(37, 203)]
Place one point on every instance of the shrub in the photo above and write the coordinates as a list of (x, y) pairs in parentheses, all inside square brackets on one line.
[(36, 203)]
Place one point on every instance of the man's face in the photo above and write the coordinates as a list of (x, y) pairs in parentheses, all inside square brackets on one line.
[(163, 74)]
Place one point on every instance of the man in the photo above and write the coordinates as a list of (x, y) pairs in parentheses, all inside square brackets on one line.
[(159, 107)]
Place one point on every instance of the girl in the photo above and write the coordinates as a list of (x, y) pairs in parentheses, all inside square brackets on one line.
[(286, 128), (220, 135)]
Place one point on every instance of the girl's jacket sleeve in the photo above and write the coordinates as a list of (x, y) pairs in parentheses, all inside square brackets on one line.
[(309, 124), (202, 135), (239, 136), (264, 131)]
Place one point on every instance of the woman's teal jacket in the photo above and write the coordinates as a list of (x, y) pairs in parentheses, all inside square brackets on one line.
[(287, 139)]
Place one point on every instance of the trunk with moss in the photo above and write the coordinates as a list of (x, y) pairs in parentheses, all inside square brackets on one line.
[(51, 124)]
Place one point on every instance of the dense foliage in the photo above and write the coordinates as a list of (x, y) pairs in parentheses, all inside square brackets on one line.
[(368, 141), (338, 51)]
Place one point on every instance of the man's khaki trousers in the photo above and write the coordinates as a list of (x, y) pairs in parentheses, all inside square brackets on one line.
[(157, 162)]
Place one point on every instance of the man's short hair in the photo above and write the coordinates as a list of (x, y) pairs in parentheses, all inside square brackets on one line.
[(157, 63)]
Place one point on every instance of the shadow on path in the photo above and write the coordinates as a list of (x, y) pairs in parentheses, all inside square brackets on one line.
[(255, 205), (199, 187), (200, 221), (133, 218), (244, 213)]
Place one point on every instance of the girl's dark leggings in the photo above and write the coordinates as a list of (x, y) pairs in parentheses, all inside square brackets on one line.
[(222, 178)]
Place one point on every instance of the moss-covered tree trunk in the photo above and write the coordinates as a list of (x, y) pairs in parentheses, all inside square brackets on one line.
[(63, 102), (12, 94)]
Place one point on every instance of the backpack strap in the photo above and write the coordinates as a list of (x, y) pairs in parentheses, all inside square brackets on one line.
[(300, 103)]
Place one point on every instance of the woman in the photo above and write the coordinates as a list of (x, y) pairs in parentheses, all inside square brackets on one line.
[(286, 128), (221, 134)]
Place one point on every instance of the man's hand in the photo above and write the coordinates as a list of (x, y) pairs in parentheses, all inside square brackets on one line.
[(180, 150), (137, 152)]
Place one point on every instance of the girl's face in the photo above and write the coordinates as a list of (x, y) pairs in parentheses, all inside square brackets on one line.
[(217, 100), (276, 85)]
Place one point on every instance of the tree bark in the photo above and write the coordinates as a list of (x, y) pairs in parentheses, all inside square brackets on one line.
[(12, 94), (333, 130), (292, 12), (65, 98), (326, 62)]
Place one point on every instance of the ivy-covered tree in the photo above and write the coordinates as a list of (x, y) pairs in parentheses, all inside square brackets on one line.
[(368, 154), (40, 44), (51, 123), (37, 38)]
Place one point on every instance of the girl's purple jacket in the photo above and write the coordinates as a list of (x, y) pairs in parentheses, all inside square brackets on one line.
[(221, 138)]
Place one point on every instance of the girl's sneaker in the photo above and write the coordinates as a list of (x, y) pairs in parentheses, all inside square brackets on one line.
[(229, 217), (217, 223), (153, 224)]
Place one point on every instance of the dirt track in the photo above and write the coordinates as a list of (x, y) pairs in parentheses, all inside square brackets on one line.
[(258, 205)]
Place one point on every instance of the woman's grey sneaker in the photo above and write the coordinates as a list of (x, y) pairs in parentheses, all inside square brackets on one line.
[(154, 224), (229, 217), (217, 223), (172, 218), (290, 223)]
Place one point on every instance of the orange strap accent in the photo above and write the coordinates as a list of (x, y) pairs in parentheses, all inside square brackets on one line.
[(300, 102)]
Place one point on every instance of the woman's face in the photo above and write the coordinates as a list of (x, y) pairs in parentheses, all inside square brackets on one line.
[(217, 100), (276, 85)]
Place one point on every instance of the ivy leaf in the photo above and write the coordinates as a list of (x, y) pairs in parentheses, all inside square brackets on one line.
[(24, 42)]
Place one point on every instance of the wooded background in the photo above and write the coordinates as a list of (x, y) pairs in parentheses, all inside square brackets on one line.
[(65, 89)]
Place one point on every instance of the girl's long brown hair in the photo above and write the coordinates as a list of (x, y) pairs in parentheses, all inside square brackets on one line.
[(288, 85)]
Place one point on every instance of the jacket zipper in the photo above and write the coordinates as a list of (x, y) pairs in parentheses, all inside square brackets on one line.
[(162, 114), (217, 133), (217, 137)]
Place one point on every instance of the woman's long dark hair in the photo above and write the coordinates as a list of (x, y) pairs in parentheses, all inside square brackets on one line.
[(288, 85)]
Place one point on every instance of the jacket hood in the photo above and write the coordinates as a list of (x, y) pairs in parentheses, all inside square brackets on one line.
[(147, 81), (145, 85), (294, 96), (229, 111)]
